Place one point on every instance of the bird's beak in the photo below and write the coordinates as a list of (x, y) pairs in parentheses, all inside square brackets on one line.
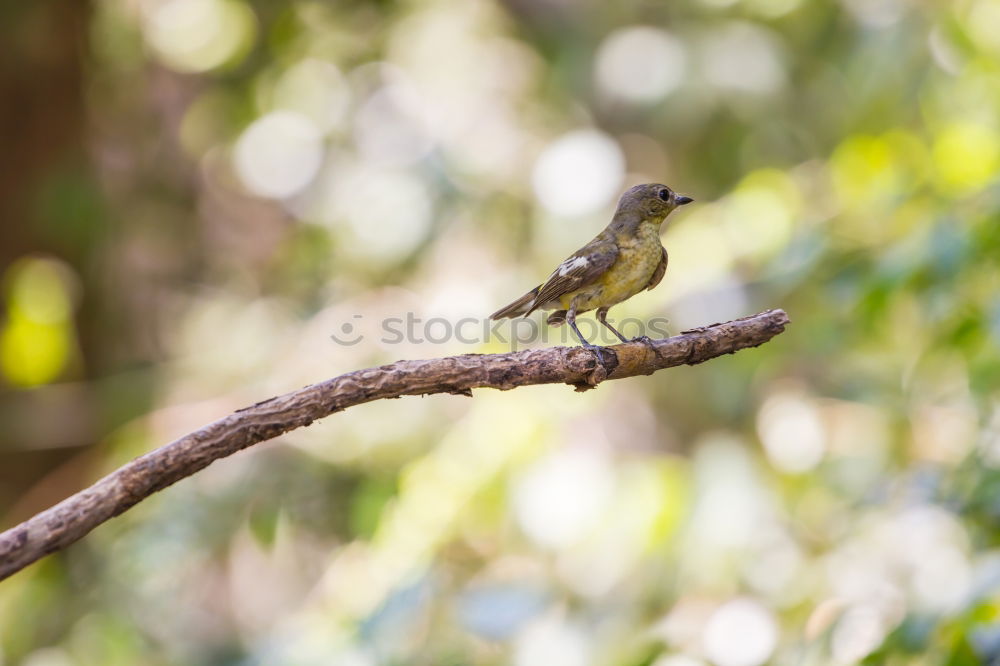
[(683, 200)]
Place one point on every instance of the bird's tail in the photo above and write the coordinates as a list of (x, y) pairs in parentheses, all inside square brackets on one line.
[(518, 307)]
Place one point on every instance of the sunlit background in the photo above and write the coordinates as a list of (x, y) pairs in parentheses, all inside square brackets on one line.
[(198, 194)]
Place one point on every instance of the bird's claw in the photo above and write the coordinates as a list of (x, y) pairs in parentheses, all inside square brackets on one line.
[(648, 342), (600, 352)]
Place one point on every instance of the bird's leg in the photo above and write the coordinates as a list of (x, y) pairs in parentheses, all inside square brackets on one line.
[(602, 314), (571, 320)]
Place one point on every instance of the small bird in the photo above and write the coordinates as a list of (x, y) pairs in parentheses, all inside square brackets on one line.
[(621, 261)]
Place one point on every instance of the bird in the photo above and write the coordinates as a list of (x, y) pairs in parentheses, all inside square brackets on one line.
[(624, 259)]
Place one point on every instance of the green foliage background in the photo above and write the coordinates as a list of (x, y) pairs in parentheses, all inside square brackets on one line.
[(229, 183)]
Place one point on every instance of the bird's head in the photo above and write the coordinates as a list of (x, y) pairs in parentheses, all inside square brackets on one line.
[(651, 201)]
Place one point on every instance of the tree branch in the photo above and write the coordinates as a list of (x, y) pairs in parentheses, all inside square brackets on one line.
[(74, 517)]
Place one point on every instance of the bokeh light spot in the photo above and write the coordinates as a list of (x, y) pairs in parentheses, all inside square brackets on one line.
[(873, 171), (640, 64), (39, 289), (199, 35), (316, 89), (967, 156), (552, 641), (388, 213), (740, 633), (983, 25), (743, 57), (875, 13), (758, 220), (559, 498), (36, 343), (390, 128), (278, 154), (579, 173), (792, 432), (33, 353), (859, 631)]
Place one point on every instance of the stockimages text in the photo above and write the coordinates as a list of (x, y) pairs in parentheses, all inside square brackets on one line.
[(515, 334)]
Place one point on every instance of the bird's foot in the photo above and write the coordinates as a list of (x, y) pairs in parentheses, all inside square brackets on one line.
[(648, 342), (607, 358)]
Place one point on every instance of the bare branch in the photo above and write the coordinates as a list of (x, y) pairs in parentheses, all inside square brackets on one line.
[(74, 517)]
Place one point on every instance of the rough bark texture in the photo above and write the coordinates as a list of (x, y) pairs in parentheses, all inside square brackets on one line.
[(74, 517)]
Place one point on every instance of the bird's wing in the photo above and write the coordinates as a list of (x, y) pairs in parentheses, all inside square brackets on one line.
[(583, 268), (661, 268)]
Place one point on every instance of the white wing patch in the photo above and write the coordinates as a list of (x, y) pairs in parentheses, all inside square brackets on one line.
[(572, 264)]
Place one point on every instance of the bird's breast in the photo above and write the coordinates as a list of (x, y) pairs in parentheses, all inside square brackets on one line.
[(639, 254), (638, 257)]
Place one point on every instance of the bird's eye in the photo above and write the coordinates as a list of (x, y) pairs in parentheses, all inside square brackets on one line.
[(664, 194)]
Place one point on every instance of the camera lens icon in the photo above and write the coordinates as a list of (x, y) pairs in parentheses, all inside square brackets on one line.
[(349, 334)]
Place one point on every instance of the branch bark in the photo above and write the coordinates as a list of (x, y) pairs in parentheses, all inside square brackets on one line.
[(71, 519)]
